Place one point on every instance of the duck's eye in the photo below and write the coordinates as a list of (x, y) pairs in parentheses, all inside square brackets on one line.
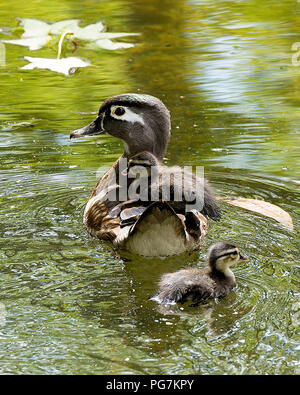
[(234, 253), (119, 111)]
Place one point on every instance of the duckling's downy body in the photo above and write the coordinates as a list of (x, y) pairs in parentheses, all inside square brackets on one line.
[(138, 224), (215, 281)]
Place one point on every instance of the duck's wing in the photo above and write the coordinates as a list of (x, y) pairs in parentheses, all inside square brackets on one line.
[(129, 216), (205, 201), (186, 191), (210, 208), (159, 231), (116, 210)]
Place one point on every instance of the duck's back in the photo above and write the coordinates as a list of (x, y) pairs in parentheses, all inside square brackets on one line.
[(184, 191), (162, 229)]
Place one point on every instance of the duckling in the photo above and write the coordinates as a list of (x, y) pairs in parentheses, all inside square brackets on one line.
[(215, 281), (143, 123), (142, 164)]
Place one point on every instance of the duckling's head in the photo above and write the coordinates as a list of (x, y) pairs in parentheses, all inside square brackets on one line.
[(141, 121), (222, 255), (142, 164)]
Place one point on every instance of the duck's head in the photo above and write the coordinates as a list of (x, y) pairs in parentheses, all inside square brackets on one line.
[(222, 255), (142, 164), (141, 121)]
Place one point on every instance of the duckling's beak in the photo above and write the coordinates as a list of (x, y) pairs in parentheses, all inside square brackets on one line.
[(93, 129), (244, 258)]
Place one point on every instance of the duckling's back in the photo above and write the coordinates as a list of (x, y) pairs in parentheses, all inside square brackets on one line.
[(186, 284)]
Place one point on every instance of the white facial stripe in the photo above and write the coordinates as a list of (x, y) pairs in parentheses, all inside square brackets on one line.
[(129, 115)]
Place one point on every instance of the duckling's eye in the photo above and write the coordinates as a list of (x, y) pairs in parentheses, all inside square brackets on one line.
[(234, 253), (119, 111)]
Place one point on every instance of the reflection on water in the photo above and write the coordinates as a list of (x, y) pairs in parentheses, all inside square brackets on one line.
[(68, 303)]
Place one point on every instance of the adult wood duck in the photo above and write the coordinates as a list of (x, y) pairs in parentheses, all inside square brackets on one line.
[(151, 228), (215, 281)]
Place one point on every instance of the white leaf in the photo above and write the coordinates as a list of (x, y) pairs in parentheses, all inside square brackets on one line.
[(37, 34), (115, 35), (90, 32), (69, 25), (34, 27), (32, 43), (64, 65), (108, 44)]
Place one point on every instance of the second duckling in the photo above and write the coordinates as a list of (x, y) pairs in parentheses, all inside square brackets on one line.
[(215, 281)]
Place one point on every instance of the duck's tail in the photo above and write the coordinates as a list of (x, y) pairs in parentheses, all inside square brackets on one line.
[(159, 231)]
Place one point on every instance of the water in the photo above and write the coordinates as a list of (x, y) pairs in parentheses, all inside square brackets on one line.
[(68, 303)]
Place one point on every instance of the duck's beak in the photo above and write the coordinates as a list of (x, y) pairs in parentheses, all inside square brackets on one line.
[(244, 258), (94, 128)]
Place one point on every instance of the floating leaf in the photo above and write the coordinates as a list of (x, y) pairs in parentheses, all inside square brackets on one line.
[(34, 27), (35, 34), (58, 28), (64, 65), (265, 208), (109, 36), (38, 33), (108, 44), (91, 32), (32, 43)]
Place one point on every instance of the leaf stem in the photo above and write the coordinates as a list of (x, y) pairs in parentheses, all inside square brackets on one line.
[(61, 42)]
